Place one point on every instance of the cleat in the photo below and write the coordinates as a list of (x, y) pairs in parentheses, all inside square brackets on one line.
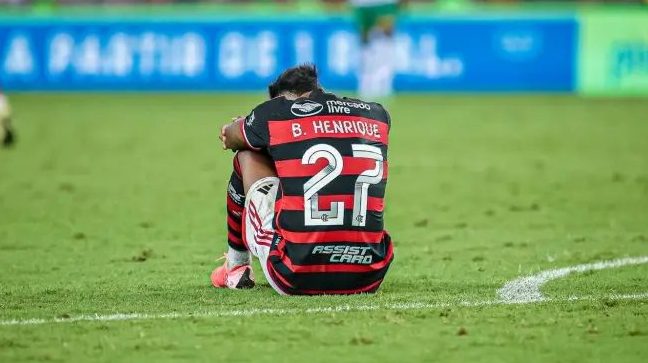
[(8, 138), (239, 277)]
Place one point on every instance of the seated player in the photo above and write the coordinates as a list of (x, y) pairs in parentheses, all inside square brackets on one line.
[(6, 133), (307, 193)]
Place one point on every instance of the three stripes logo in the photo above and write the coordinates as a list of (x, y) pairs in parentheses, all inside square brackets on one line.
[(261, 236)]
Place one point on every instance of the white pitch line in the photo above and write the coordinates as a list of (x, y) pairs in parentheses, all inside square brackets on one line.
[(527, 289), (318, 310)]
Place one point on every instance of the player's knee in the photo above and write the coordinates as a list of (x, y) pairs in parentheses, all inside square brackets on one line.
[(242, 157), (247, 158), (243, 154), (255, 162), (254, 166)]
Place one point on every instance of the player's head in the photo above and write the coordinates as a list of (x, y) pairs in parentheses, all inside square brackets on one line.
[(295, 82)]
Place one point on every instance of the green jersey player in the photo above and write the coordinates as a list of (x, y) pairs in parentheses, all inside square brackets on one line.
[(376, 21)]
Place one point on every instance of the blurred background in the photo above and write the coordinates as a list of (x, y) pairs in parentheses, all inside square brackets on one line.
[(587, 46)]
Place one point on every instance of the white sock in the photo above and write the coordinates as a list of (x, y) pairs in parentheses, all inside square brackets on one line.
[(237, 258)]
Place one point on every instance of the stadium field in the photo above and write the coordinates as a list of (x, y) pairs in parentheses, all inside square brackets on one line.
[(112, 216)]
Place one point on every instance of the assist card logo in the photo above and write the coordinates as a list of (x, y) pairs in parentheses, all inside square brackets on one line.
[(306, 108)]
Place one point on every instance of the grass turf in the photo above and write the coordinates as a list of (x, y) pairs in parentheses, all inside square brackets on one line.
[(114, 203)]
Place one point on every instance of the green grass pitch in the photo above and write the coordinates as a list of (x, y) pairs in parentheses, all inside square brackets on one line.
[(114, 203)]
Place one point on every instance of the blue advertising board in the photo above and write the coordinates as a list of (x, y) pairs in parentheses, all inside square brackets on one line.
[(463, 54)]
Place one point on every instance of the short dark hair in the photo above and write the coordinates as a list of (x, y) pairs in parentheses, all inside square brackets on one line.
[(297, 80)]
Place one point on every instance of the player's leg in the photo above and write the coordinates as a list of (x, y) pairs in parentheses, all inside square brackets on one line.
[(261, 186), (238, 253), (254, 167), (250, 170), (7, 136)]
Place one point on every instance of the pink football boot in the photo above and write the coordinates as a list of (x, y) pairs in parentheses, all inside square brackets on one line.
[(238, 277)]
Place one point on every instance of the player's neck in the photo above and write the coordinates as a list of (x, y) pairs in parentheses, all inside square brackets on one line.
[(291, 96)]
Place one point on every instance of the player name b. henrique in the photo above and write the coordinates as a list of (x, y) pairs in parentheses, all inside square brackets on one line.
[(322, 127), (325, 127)]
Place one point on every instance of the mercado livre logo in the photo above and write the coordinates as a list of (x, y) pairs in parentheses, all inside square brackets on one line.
[(306, 108)]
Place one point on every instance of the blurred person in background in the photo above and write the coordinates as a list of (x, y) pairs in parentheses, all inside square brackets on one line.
[(376, 20), (7, 136)]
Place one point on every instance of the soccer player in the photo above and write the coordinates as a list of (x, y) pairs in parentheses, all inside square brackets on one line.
[(307, 193), (6, 132), (376, 20)]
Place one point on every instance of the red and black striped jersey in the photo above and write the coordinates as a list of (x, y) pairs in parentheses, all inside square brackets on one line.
[(330, 154)]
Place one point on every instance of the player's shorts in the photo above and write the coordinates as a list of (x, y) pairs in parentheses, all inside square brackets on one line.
[(368, 17), (262, 240), (258, 231)]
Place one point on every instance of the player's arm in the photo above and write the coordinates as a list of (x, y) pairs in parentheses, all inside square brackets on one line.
[(246, 133)]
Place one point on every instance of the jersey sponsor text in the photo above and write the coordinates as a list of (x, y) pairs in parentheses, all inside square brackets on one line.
[(345, 254)]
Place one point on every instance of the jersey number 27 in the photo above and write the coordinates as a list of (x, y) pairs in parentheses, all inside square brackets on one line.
[(313, 216)]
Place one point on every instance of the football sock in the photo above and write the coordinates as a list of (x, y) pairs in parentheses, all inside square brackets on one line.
[(235, 205), (237, 258), (237, 253)]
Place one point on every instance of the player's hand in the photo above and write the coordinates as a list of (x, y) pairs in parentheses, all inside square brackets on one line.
[(223, 134)]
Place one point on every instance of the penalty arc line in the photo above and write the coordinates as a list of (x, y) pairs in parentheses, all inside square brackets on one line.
[(527, 288), (318, 310)]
